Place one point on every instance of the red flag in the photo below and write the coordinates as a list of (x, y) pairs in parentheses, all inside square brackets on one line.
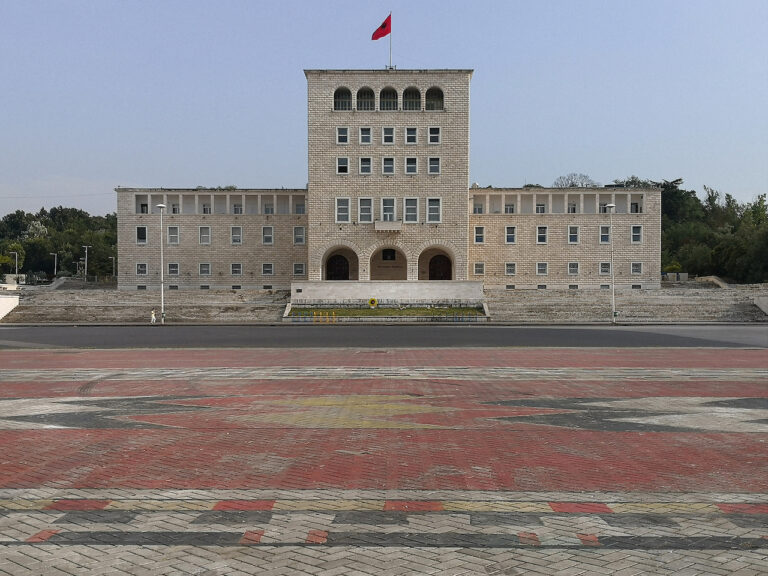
[(384, 29)]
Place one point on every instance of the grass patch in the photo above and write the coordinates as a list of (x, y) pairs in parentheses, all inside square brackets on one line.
[(380, 311)]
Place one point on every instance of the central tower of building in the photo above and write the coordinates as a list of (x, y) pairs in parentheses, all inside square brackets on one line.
[(388, 174)]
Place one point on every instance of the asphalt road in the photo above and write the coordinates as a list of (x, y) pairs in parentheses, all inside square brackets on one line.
[(295, 336)]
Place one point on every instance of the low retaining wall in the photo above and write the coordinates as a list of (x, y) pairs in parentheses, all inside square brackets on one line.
[(354, 293)]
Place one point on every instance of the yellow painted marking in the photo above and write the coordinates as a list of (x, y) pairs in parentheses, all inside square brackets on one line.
[(24, 504)]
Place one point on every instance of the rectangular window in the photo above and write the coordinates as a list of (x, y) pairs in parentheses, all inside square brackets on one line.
[(479, 234), (141, 234), (237, 209), (510, 268), (634, 208), (300, 209), (141, 269), (541, 234), (479, 268), (411, 136), (365, 135), (144, 209), (175, 209), (267, 269), (365, 165), (269, 208), (267, 235), (605, 268), (387, 135), (637, 234), (387, 165), (173, 268), (510, 234), (541, 268), (434, 135), (299, 269), (342, 209), (477, 208), (603, 208), (509, 208), (573, 234), (411, 166), (410, 210), (141, 287), (173, 287), (236, 269), (572, 208), (342, 165), (605, 234), (342, 135), (434, 165), (206, 208), (299, 235), (204, 287), (365, 210), (637, 267), (205, 234), (388, 209), (434, 210), (541, 208), (573, 268), (205, 269), (236, 234), (573, 286)]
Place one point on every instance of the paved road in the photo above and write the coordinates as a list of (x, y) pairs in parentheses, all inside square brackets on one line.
[(292, 336)]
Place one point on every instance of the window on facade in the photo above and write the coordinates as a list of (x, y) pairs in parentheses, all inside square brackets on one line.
[(479, 268), (434, 99), (541, 234), (510, 234), (573, 268), (605, 234), (173, 269), (510, 268), (637, 267), (236, 269), (411, 99), (571, 207), (573, 286), (365, 99), (388, 99), (411, 166), (144, 209), (411, 136), (410, 210), (236, 286), (299, 235), (206, 208), (267, 269), (269, 208), (342, 99), (388, 209), (573, 234), (365, 135), (541, 208), (175, 209), (205, 287), (141, 287), (388, 135), (141, 234), (388, 254), (342, 209), (236, 233), (342, 165), (365, 210), (205, 234), (477, 208), (637, 234), (542, 268), (634, 208), (479, 234), (509, 208), (434, 165), (603, 208), (205, 269), (141, 269), (237, 209), (342, 135), (365, 165), (434, 210), (299, 269), (173, 287), (267, 235), (434, 135), (388, 165), (299, 208), (605, 268)]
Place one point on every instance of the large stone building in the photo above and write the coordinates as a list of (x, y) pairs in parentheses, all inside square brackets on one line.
[(388, 198)]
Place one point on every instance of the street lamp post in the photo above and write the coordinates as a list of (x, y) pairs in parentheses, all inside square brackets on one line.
[(17, 265), (611, 208), (55, 262), (162, 277), (85, 271)]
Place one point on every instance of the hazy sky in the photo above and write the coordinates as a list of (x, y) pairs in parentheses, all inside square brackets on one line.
[(101, 93)]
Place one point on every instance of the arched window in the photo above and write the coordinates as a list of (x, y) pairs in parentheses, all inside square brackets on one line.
[(412, 99), (365, 99), (434, 99), (342, 99), (388, 99)]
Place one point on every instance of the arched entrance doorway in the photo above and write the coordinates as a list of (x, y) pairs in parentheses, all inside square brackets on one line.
[(341, 264), (389, 264), (440, 267)]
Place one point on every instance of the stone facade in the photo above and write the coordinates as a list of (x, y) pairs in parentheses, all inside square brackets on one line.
[(388, 199)]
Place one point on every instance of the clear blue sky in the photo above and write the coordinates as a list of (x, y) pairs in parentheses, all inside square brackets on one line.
[(100, 93)]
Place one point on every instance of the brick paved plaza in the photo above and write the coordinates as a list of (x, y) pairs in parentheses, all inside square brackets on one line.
[(372, 461)]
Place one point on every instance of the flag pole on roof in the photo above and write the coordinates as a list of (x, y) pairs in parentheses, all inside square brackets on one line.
[(385, 30)]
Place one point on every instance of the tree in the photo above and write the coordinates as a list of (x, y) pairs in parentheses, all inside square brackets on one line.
[(635, 182), (574, 180)]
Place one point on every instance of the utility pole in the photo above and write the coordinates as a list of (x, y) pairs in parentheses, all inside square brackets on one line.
[(85, 272), (55, 262)]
